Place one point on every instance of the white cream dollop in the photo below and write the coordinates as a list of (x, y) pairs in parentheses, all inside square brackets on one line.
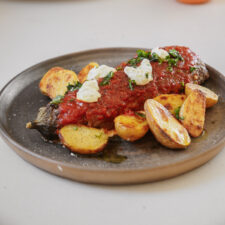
[(89, 92), (100, 72), (160, 52), (142, 74)]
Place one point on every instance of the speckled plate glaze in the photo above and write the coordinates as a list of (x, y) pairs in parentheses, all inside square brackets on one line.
[(146, 160)]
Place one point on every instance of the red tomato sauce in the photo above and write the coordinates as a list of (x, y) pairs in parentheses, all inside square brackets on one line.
[(117, 97)]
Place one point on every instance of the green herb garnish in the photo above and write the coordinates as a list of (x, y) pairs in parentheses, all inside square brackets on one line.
[(57, 100), (182, 84), (175, 54), (131, 82), (155, 58), (71, 100), (142, 53), (140, 114), (98, 135), (73, 87), (177, 112), (133, 62), (146, 75), (192, 69), (107, 79), (119, 68), (171, 62), (75, 128)]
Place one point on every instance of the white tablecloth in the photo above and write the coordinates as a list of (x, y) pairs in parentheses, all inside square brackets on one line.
[(32, 31)]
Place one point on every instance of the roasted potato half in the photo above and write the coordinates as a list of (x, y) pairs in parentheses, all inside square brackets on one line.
[(55, 81), (131, 127), (82, 139), (82, 75), (192, 113), (166, 129), (211, 97), (171, 101)]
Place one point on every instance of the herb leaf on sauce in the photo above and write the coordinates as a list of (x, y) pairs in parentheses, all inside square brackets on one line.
[(73, 87), (155, 58), (57, 100), (192, 69), (107, 79), (131, 82), (175, 54)]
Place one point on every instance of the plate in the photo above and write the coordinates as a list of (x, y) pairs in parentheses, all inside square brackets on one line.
[(142, 161)]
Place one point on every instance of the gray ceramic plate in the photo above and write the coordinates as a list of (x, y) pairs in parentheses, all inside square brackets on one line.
[(146, 159)]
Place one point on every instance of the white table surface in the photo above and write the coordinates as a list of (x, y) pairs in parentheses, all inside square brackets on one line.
[(32, 31)]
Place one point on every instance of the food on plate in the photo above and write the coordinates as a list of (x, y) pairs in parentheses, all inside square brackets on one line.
[(192, 113), (83, 139), (82, 75), (111, 100), (119, 93), (171, 101), (46, 122), (54, 82), (166, 129), (211, 97), (131, 127)]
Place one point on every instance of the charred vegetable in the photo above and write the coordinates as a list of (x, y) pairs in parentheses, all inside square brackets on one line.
[(46, 122)]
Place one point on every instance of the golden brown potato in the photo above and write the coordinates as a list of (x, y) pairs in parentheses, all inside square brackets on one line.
[(131, 127), (82, 75), (166, 129), (211, 97), (55, 81), (171, 101), (192, 113), (82, 139)]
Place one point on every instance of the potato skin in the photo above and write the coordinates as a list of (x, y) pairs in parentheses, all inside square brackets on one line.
[(82, 75), (55, 81), (192, 113), (131, 127), (82, 139), (211, 97), (171, 101), (166, 129)]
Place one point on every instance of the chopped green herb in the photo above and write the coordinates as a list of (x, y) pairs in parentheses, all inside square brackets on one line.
[(140, 114), (57, 100), (182, 83), (155, 58), (75, 128), (107, 79), (131, 82), (175, 54), (98, 135), (71, 100), (177, 112), (192, 69), (142, 53), (133, 62), (119, 68), (146, 75), (170, 68), (72, 87)]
